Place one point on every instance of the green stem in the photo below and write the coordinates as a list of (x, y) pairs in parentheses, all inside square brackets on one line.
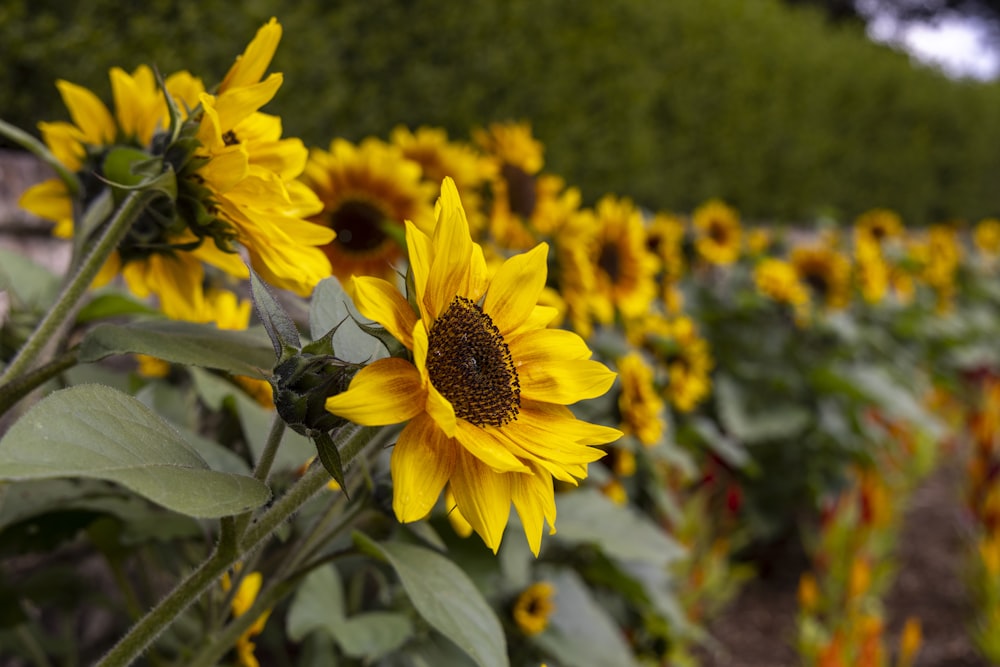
[(32, 645), (64, 306), (14, 391), (264, 464), (230, 548), (41, 151)]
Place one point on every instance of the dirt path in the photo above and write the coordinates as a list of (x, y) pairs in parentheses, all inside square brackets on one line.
[(758, 629)]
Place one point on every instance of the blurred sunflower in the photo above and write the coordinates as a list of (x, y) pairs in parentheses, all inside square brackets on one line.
[(235, 180), (717, 232), (439, 157), (639, 403), (526, 204), (682, 354), (367, 192), (986, 237), (778, 280), (826, 271), (246, 595), (486, 392), (870, 269), (623, 268), (534, 607), (665, 237), (878, 225)]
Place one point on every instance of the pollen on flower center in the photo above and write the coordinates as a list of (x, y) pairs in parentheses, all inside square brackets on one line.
[(358, 226), (470, 364)]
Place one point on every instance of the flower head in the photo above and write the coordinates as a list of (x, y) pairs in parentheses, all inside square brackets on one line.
[(486, 391), (534, 607), (718, 232)]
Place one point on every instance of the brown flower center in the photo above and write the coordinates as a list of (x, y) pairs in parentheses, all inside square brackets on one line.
[(521, 193), (610, 261), (359, 227), (470, 364)]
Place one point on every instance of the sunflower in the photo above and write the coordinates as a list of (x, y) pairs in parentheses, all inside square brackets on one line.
[(718, 232), (682, 354), (527, 204), (639, 403), (439, 157), (871, 268), (486, 391), (534, 607), (367, 192), (826, 271), (878, 225), (986, 237), (623, 268), (778, 280), (235, 178)]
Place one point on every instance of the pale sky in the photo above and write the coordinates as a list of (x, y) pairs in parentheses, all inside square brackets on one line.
[(957, 45)]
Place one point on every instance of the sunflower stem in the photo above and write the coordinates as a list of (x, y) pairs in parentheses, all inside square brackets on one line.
[(42, 152), (18, 388), (68, 299), (230, 548), (264, 464)]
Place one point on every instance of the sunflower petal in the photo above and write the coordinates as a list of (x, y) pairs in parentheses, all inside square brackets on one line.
[(377, 300), (535, 503), (88, 113), (388, 391), (564, 382), (418, 247), (452, 251), (539, 345), (514, 290), (253, 62), (480, 442), (483, 496), (422, 462)]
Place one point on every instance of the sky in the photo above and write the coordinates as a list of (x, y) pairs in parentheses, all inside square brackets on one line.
[(956, 45)]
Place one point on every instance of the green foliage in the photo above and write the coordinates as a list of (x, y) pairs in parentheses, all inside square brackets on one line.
[(671, 103)]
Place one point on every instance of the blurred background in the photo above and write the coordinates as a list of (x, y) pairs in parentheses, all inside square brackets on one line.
[(787, 109)]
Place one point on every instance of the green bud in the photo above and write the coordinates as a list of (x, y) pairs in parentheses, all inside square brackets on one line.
[(302, 384)]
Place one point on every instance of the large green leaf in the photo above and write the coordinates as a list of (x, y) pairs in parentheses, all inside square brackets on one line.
[(588, 517), (580, 631), (332, 307), (32, 284), (237, 352), (98, 432), (445, 597)]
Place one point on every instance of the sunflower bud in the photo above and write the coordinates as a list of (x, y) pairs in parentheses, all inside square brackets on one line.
[(302, 384)]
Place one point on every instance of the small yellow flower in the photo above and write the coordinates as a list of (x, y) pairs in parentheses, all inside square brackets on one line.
[(778, 280), (718, 232), (485, 395), (808, 593), (987, 237), (639, 403), (826, 271), (244, 598), (534, 607), (909, 642)]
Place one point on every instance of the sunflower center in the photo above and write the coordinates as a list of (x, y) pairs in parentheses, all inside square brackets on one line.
[(359, 226), (610, 261), (521, 193), (718, 232), (470, 364), (818, 283)]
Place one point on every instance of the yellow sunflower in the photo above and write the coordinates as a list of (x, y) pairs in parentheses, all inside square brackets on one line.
[(871, 269), (878, 225), (440, 157), (534, 607), (826, 271), (367, 190), (244, 598), (986, 237), (778, 280), (681, 352), (639, 403), (717, 232), (486, 391), (235, 178)]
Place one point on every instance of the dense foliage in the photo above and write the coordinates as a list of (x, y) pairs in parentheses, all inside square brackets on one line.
[(767, 107)]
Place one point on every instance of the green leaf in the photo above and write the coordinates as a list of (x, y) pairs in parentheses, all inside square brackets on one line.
[(445, 597), (588, 517), (237, 352), (332, 307), (280, 328), (781, 421), (112, 304), (319, 605), (580, 631), (732, 451), (97, 432), (32, 284), (329, 456)]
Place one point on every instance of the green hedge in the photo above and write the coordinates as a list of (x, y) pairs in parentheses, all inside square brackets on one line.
[(671, 102)]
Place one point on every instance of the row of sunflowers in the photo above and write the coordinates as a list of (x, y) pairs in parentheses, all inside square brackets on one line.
[(328, 368)]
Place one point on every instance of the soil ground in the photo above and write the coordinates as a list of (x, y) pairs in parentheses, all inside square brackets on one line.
[(758, 628)]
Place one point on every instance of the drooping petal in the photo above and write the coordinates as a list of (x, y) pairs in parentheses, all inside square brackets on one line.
[(535, 503), (559, 419), (388, 391), (540, 345), (564, 382), (377, 300), (483, 496), (481, 443), (422, 462), (514, 290), (88, 113)]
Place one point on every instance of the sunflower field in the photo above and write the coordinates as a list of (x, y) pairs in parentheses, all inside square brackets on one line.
[(281, 403)]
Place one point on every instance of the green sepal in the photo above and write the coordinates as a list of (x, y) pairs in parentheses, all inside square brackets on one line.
[(329, 456), (279, 326), (389, 342)]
